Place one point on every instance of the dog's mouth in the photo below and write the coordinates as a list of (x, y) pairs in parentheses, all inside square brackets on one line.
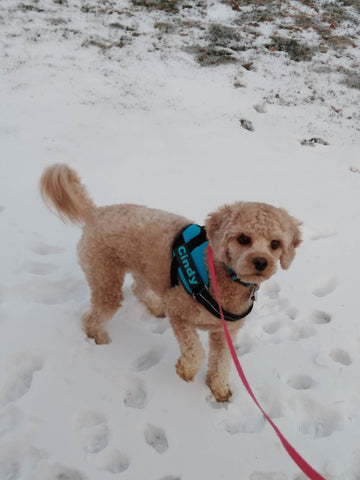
[(253, 277)]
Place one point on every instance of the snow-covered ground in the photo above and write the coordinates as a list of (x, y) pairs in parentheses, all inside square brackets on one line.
[(115, 91)]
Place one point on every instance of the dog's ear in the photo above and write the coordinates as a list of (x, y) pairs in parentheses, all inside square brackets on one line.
[(217, 226), (293, 240)]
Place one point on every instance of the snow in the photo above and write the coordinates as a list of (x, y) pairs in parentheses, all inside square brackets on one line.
[(219, 12), (146, 124)]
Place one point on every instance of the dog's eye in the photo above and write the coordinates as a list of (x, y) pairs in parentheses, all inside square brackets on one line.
[(244, 240), (275, 244)]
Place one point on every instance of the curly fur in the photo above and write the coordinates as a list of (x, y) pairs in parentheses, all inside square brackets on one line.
[(131, 238)]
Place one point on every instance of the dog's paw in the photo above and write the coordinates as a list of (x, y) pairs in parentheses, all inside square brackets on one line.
[(222, 396), (101, 338), (184, 371), (221, 393), (93, 328), (100, 335)]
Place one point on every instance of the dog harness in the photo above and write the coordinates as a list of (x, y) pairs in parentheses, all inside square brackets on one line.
[(188, 267)]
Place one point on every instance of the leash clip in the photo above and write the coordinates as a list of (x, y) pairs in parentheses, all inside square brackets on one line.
[(253, 293)]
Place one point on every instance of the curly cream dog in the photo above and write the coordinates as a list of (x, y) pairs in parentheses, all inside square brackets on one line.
[(249, 238)]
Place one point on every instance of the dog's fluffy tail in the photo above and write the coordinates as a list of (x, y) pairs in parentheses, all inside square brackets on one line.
[(63, 192)]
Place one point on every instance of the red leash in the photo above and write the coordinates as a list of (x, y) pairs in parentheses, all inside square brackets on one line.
[(301, 463)]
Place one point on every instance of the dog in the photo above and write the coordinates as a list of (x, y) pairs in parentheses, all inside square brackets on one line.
[(248, 239)]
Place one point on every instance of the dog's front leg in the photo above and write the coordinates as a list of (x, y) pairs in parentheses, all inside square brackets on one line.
[(219, 366), (192, 352)]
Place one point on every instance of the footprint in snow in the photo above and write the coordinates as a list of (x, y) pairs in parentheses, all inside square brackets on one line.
[(320, 317), (17, 460), (41, 248), (324, 286), (303, 332), (234, 427), (50, 292), (37, 268), (271, 289), (292, 313), (21, 379), (300, 382), (339, 355), (149, 359), (316, 419), (116, 462), (57, 472), (272, 327), (251, 420), (135, 393), (95, 434), (95, 437), (156, 438)]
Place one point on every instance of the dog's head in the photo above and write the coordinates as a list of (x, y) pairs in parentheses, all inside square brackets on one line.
[(251, 237)]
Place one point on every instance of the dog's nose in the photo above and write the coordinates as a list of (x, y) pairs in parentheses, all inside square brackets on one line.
[(260, 263)]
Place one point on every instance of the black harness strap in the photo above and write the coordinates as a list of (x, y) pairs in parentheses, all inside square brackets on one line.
[(212, 306), (195, 285)]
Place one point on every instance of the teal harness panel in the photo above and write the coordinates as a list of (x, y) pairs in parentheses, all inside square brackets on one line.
[(197, 256)]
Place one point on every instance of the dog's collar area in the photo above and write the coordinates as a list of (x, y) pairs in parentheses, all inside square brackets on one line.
[(236, 279), (253, 286), (188, 267)]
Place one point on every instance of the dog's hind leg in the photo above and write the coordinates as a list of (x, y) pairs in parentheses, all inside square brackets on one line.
[(148, 297), (192, 352), (105, 276)]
